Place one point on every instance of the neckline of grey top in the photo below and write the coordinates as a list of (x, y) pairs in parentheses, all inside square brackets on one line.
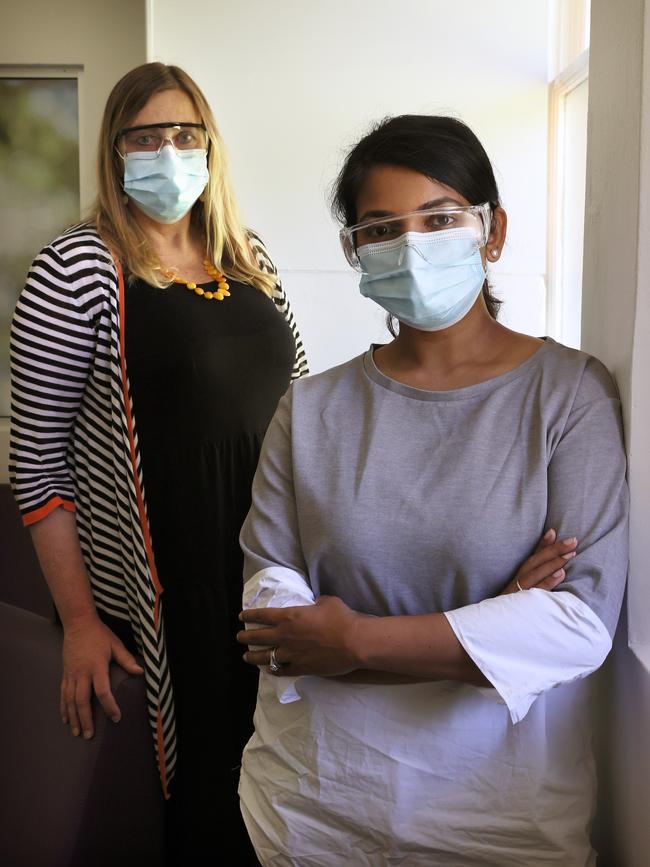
[(479, 390)]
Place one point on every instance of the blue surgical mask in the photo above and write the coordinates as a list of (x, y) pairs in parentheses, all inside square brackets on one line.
[(429, 280), (166, 185)]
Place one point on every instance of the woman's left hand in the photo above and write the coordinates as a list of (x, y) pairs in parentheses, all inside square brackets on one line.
[(311, 639)]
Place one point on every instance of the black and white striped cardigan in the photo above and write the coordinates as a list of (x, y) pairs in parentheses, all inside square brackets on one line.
[(74, 442)]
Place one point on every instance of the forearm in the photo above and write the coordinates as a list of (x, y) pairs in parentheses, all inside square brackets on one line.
[(57, 546), (417, 646)]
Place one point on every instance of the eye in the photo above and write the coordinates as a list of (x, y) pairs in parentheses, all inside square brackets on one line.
[(185, 139), (441, 221), (372, 234), (142, 141), (380, 231)]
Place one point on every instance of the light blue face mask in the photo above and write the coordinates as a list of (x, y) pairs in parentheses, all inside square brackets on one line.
[(166, 185), (429, 280)]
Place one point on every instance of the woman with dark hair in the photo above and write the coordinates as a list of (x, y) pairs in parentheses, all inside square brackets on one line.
[(431, 700)]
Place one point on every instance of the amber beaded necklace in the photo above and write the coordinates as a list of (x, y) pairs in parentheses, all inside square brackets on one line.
[(222, 284)]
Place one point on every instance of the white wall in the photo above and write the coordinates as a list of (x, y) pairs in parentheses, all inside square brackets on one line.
[(294, 83), (616, 327), (104, 40)]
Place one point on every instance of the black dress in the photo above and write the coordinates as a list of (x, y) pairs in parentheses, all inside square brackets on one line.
[(205, 379)]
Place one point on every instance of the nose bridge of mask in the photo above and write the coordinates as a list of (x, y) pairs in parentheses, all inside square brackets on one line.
[(179, 153), (169, 158), (169, 164), (424, 243), (403, 253), (149, 162), (446, 248), (169, 155), (415, 250)]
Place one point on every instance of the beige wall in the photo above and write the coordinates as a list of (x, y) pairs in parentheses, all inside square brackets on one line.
[(104, 40), (616, 328)]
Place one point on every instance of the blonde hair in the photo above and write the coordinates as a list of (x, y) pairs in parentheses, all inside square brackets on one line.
[(228, 244)]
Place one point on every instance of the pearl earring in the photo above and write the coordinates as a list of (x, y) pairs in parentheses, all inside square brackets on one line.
[(495, 253)]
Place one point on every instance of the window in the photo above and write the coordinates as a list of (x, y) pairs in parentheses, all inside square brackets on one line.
[(39, 185), (569, 88), (39, 179)]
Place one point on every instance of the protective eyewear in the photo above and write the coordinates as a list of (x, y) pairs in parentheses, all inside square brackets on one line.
[(146, 142), (473, 219)]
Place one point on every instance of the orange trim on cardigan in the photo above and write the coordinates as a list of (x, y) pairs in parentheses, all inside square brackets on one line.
[(43, 511), (144, 524)]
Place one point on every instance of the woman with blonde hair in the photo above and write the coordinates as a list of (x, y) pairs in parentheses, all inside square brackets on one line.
[(148, 357)]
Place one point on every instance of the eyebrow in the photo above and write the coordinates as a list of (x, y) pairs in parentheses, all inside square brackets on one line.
[(434, 203)]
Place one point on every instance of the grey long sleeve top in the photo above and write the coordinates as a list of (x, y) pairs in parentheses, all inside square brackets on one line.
[(404, 501)]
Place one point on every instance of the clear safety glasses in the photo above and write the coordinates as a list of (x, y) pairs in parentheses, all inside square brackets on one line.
[(146, 142), (473, 220)]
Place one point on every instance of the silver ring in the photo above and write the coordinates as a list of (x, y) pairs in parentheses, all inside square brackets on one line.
[(519, 587), (274, 665)]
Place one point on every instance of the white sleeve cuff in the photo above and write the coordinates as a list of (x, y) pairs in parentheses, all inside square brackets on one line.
[(526, 643), (277, 587)]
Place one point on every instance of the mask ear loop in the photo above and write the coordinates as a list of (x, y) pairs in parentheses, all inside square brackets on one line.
[(117, 150), (125, 198)]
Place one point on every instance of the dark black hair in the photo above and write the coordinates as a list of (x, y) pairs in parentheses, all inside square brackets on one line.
[(442, 148)]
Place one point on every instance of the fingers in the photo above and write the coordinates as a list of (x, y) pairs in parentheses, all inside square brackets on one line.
[(75, 702), (265, 616), (258, 657), (122, 656), (84, 711), (546, 568), (267, 637), (69, 693), (546, 554), (549, 583), (102, 686), (552, 581), (547, 539), (87, 652), (551, 569), (63, 705), (263, 658)]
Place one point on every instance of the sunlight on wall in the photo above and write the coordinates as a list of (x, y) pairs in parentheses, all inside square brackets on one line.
[(293, 85)]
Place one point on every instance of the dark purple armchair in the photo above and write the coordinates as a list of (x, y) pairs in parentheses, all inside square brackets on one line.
[(65, 802)]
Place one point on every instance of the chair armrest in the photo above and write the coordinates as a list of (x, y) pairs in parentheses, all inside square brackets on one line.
[(71, 801)]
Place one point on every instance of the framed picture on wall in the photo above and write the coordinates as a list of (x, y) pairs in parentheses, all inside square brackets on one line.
[(39, 181)]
